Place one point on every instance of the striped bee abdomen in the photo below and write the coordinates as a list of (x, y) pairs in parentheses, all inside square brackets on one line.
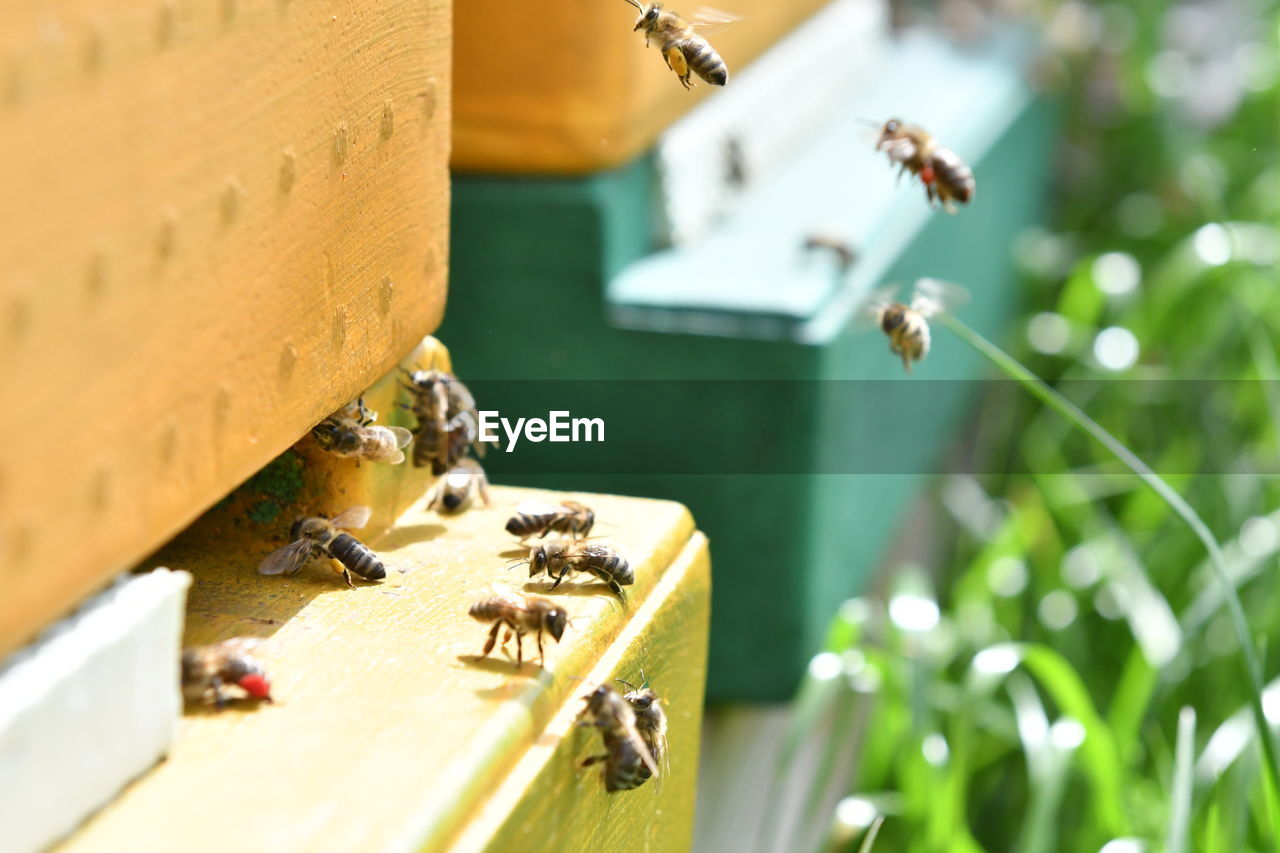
[(704, 61), (954, 177), (607, 564), (624, 769), (489, 610), (524, 524), (358, 559)]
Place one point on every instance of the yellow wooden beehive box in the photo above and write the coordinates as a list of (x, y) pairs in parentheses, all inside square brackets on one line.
[(221, 221), (569, 88)]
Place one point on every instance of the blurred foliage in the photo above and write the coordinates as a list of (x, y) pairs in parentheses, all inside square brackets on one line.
[(1066, 678)]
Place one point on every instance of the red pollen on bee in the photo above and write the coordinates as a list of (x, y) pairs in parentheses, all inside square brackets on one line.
[(256, 686), (926, 174)]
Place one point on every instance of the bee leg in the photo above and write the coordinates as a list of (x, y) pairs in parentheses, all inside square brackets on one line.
[(559, 578), (594, 760), (342, 570), (519, 649), (676, 62), (617, 589), (493, 638), (542, 659), (219, 698)]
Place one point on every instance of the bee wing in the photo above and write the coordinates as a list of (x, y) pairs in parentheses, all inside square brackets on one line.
[(352, 519), (238, 645), (286, 560), (533, 507), (508, 594), (402, 436), (642, 749), (933, 296), (708, 21), (869, 314)]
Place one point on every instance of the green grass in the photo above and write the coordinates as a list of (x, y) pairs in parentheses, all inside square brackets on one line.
[(1091, 654)]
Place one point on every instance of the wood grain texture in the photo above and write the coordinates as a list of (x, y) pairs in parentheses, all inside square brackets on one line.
[(222, 219), (568, 88), (387, 734)]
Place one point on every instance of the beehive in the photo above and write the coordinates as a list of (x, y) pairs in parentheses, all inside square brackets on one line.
[(222, 220), (568, 88)]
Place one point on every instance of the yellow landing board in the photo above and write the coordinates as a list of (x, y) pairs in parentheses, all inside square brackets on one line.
[(387, 734)]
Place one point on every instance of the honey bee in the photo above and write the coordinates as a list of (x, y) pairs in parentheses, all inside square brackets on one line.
[(537, 518), (907, 325), (839, 248), (447, 420), (322, 537), (651, 721), (627, 760), (560, 558), (348, 432), (520, 615), (458, 486), (207, 670), (945, 176), (685, 51)]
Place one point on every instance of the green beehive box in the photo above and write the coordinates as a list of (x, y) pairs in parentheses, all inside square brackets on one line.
[(733, 374)]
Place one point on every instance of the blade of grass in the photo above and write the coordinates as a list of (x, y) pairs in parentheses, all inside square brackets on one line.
[(1064, 407), (1099, 754), (1179, 838), (870, 840)]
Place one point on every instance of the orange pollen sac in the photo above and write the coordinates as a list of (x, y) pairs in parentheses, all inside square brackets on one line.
[(926, 174)]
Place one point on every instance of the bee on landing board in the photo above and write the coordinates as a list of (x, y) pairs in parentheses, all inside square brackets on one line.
[(349, 432), (627, 760), (945, 176), (538, 518), (519, 615), (447, 419), (685, 52), (319, 536), (559, 558), (208, 670), (651, 721), (459, 486), (907, 326)]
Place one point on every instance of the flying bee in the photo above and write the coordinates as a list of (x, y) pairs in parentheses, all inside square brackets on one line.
[(447, 420), (559, 558), (537, 518), (319, 536), (207, 670), (651, 721), (945, 176), (907, 325), (519, 615), (459, 485), (627, 760), (685, 51)]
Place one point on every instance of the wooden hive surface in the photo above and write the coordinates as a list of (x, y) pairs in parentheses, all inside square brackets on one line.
[(223, 218), (387, 734), (568, 88)]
